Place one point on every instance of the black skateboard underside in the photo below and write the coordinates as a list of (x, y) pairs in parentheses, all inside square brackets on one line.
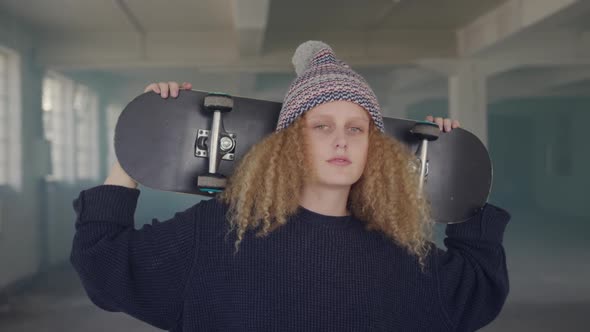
[(155, 142)]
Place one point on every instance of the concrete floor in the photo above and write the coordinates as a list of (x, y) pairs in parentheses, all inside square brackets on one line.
[(56, 302)]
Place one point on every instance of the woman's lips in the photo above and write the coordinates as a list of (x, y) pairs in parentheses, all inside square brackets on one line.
[(339, 162)]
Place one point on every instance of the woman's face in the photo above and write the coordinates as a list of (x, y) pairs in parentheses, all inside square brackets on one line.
[(338, 130)]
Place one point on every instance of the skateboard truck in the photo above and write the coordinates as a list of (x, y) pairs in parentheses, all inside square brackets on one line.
[(425, 131), (216, 144)]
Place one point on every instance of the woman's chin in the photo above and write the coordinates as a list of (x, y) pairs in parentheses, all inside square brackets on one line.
[(338, 181)]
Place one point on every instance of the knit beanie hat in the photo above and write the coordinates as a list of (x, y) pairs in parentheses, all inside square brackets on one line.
[(322, 78)]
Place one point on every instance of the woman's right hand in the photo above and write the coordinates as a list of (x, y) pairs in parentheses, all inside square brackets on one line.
[(119, 177), (165, 89)]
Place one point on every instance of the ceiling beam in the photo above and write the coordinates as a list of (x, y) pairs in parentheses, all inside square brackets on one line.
[(123, 7), (217, 50), (559, 47), (250, 20), (411, 78), (506, 21), (535, 82)]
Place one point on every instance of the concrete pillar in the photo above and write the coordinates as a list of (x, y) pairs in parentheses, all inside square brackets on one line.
[(250, 19), (468, 99)]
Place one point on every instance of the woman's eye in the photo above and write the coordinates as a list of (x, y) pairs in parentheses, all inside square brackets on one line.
[(357, 129), (320, 126)]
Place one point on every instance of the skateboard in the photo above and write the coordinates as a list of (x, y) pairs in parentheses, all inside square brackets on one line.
[(190, 144)]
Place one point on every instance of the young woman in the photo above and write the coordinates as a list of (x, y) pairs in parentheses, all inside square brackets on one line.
[(321, 227)]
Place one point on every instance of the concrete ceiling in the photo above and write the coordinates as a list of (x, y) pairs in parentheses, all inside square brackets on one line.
[(376, 14), (240, 33), (179, 15), (404, 41), (58, 16)]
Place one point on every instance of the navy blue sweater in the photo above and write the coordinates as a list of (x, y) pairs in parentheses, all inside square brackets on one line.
[(317, 273)]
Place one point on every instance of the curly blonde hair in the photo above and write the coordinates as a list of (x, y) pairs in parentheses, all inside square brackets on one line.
[(264, 190)]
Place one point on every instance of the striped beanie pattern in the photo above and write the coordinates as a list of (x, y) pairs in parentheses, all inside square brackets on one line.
[(322, 78)]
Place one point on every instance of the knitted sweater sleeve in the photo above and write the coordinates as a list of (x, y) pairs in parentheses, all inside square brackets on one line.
[(472, 274), (140, 272)]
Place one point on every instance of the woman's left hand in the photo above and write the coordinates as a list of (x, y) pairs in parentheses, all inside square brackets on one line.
[(446, 124)]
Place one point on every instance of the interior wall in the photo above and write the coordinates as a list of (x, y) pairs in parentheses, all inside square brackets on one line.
[(21, 214)]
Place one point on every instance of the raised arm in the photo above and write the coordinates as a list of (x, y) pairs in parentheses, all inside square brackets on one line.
[(140, 272), (472, 274)]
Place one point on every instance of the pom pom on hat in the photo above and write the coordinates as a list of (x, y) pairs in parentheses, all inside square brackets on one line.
[(305, 53), (323, 78)]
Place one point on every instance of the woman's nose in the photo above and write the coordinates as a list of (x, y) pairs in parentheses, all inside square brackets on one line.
[(340, 140)]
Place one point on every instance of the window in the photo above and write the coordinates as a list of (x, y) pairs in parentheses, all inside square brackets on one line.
[(70, 120), (10, 119), (86, 135), (113, 112), (56, 98)]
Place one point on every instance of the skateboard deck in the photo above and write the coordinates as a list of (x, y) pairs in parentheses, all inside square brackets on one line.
[(190, 144)]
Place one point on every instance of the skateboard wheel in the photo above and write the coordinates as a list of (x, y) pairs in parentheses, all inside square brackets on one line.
[(426, 130), (211, 182), (218, 102)]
